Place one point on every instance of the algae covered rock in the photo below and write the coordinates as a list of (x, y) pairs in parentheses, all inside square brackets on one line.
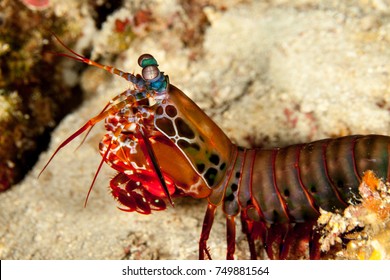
[(33, 96)]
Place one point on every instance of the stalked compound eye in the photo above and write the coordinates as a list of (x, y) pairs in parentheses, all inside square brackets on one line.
[(147, 60), (154, 79), (150, 73)]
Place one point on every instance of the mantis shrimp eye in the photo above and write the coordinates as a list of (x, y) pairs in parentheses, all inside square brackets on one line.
[(150, 73), (147, 60)]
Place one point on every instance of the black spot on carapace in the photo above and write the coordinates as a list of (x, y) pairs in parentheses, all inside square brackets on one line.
[(171, 111), (234, 187), (183, 129), (210, 176), (276, 216), (286, 193), (313, 189), (340, 184), (183, 144), (166, 125), (214, 159), (230, 197), (238, 174), (159, 110), (201, 138), (222, 167), (200, 167), (195, 146)]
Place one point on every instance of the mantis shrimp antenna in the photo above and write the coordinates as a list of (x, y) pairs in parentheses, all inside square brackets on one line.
[(136, 80)]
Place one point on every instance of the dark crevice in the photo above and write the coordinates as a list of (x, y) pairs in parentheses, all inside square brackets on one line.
[(101, 12)]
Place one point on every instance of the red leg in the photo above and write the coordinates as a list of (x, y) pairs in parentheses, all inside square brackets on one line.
[(247, 228), (274, 238), (231, 237), (297, 240), (314, 245), (204, 236)]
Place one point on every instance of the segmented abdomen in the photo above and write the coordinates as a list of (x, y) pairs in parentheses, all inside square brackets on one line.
[(290, 184)]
